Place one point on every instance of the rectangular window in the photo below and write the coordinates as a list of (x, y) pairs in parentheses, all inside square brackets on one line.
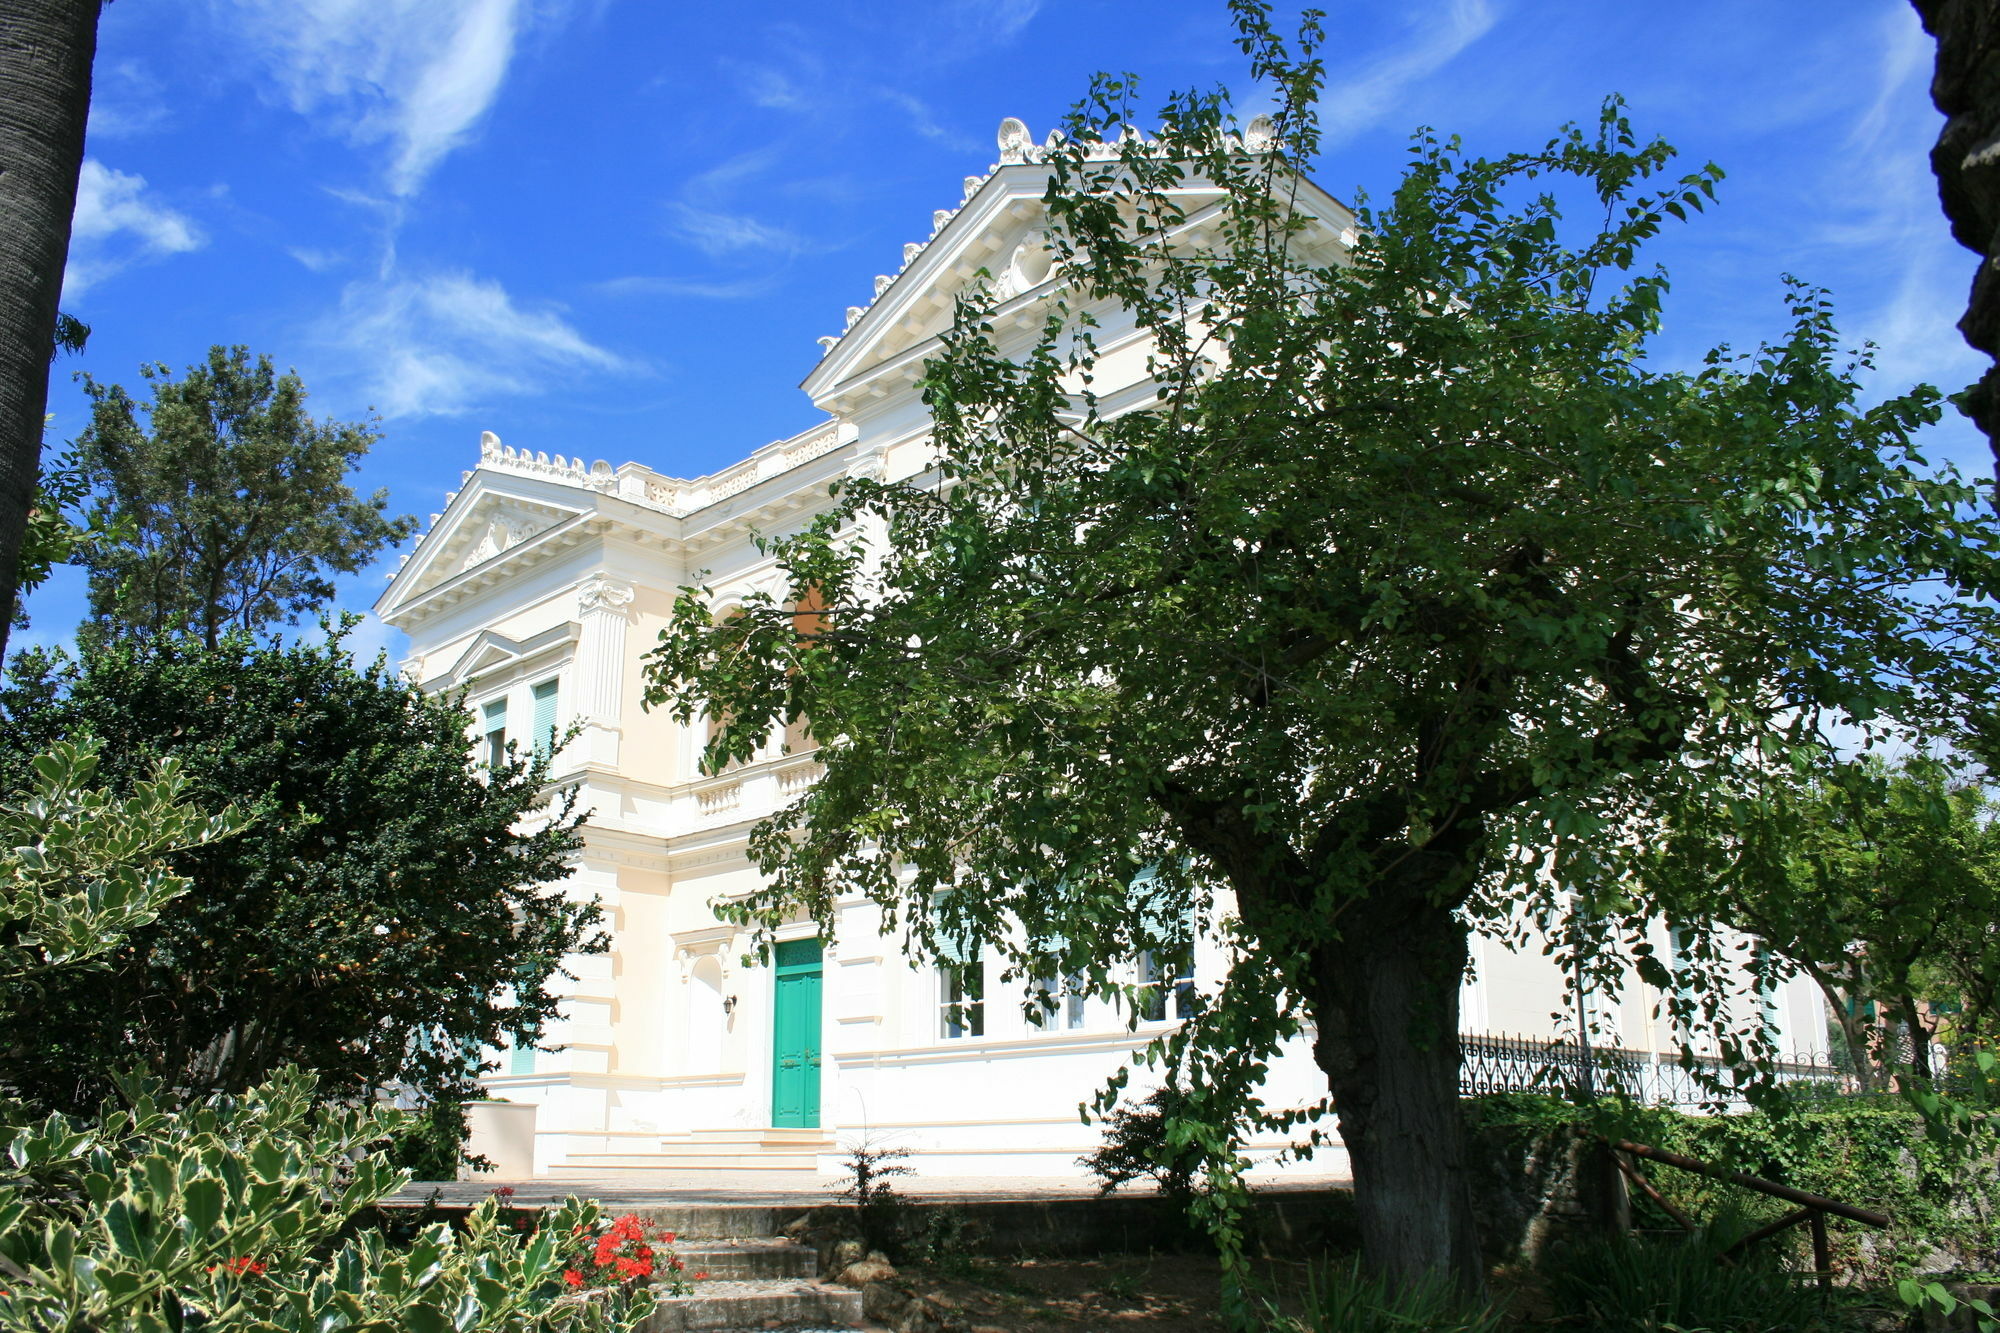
[(1057, 1002), (1681, 957), (1158, 977), (962, 997), (1767, 998), (521, 1059), (1151, 1002), (1168, 970), (545, 719), (495, 733)]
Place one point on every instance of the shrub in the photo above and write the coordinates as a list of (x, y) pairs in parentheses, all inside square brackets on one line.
[(164, 1213), (1625, 1285), (432, 1145), (1139, 1144), (243, 1213), (386, 909), (1344, 1299), (947, 1238), (1872, 1151), (868, 1171)]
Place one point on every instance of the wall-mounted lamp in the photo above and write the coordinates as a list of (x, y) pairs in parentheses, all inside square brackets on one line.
[(729, 1004)]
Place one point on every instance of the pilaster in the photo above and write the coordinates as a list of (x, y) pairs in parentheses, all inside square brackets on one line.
[(604, 610)]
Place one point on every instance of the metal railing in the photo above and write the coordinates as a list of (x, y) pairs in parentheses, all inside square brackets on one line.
[(1491, 1064)]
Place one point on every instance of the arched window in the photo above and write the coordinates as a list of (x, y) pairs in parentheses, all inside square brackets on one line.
[(808, 621), (716, 723)]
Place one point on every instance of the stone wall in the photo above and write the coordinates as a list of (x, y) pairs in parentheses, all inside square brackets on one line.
[(1533, 1186)]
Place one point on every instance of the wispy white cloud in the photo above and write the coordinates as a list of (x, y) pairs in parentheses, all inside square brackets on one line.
[(1904, 62), (795, 77), (958, 29), (126, 101), (706, 216), (1890, 209), (120, 222), (646, 285), (717, 233), (417, 76), (1357, 99), (769, 87), (317, 261), (445, 343), (925, 123)]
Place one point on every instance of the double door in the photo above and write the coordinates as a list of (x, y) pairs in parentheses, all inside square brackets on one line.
[(795, 1035)]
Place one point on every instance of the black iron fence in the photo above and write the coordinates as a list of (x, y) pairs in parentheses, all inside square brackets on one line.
[(1491, 1064)]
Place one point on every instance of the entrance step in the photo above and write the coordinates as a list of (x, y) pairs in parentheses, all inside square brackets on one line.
[(597, 1163), (720, 1304), (710, 1150), (753, 1279), (758, 1258)]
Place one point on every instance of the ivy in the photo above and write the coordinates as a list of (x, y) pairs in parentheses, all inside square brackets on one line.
[(1876, 1152)]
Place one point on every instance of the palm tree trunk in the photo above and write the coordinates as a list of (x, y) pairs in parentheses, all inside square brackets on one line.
[(46, 48)]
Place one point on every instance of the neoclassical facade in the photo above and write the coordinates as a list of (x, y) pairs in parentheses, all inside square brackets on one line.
[(537, 591)]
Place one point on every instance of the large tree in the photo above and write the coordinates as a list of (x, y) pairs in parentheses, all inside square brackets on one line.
[(391, 908), (46, 49), (232, 510), (1413, 594)]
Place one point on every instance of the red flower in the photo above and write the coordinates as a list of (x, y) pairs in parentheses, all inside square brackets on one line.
[(242, 1264), (702, 1274), (504, 1192), (571, 1276)]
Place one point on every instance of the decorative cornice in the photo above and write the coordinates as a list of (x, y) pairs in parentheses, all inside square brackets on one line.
[(1018, 148), (676, 497)]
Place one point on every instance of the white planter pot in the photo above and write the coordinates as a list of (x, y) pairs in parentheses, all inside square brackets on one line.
[(504, 1134)]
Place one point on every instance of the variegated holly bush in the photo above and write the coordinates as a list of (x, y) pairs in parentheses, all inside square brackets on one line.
[(248, 1212)]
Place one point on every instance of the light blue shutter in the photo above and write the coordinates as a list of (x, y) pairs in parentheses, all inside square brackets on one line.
[(545, 717), (1171, 930), (522, 1059), (495, 733)]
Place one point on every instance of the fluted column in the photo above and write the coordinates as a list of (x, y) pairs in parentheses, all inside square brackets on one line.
[(603, 608)]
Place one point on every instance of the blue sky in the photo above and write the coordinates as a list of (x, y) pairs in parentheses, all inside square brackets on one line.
[(614, 228)]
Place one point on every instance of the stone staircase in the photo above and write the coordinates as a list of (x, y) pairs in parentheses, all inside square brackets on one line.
[(756, 1279), (707, 1150)]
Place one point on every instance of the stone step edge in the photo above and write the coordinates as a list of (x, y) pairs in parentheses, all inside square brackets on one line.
[(756, 1303)]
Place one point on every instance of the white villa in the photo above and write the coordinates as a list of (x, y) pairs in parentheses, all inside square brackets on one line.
[(536, 592)]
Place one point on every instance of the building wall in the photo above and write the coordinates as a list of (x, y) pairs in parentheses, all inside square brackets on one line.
[(545, 568)]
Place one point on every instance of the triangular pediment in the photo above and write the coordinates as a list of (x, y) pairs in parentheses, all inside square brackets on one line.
[(1000, 229), (491, 651), (487, 520)]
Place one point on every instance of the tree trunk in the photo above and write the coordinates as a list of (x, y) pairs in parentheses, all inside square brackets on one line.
[(1920, 1037), (1852, 1030), (1385, 1001), (46, 48)]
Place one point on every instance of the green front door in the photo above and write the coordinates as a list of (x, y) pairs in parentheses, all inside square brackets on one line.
[(795, 1036)]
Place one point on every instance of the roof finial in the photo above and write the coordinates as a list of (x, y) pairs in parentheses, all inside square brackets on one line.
[(1015, 141)]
